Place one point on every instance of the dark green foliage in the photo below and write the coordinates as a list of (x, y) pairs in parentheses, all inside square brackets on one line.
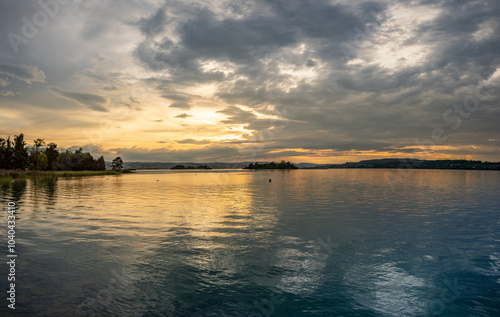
[(6, 154), (20, 153), (52, 154), (36, 160), (17, 156), (100, 164), (78, 161), (281, 166)]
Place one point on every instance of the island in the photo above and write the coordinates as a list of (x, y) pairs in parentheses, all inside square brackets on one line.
[(199, 167), (271, 166)]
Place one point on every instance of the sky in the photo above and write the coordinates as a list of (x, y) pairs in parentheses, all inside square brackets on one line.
[(256, 80)]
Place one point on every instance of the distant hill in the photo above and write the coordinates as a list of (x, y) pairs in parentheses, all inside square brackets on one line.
[(388, 160), (416, 164), (169, 165), (213, 165), (377, 163)]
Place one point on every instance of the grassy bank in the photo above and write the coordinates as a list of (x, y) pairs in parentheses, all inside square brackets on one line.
[(11, 174)]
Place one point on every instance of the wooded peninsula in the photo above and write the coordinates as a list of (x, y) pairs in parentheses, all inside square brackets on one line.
[(46, 160), (15, 155)]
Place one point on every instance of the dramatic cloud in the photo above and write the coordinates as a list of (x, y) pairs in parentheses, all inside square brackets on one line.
[(321, 81)]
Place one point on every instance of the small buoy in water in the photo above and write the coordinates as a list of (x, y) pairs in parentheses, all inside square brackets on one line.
[(269, 180)]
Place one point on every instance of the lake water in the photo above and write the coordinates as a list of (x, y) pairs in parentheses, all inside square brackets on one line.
[(231, 243)]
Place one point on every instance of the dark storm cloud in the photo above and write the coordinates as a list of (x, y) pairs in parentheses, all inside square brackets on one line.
[(235, 40), (154, 24), (246, 42)]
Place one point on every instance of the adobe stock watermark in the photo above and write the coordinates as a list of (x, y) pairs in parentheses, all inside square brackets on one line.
[(347, 249), (448, 293), (445, 293), (454, 116), (267, 307), (30, 27), (11, 257)]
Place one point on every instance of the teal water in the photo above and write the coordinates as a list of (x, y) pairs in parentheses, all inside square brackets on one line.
[(231, 243)]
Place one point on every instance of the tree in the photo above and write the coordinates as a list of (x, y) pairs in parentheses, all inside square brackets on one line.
[(52, 155), (100, 164), (6, 154), (20, 153), (34, 159), (15, 155), (4, 160), (42, 161), (38, 161), (38, 143), (117, 164), (272, 165)]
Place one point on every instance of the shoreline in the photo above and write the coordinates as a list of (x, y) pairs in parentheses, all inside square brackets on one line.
[(17, 174)]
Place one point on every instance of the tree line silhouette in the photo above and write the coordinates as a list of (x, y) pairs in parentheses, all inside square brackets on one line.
[(16, 155), (182, 167), (282, 165)]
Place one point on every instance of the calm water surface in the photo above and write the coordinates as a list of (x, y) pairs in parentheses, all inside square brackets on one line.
[(231, 243)]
